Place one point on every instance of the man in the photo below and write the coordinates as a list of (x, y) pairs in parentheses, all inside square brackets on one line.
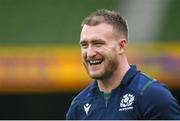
[(119, 90)]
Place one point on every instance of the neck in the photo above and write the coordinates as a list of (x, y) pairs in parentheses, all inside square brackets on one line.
[(107, 85)]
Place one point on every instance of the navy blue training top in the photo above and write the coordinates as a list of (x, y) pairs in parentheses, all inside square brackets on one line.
[(137, 97)]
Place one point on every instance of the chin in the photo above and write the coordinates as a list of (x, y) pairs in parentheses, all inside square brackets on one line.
[(96, 76)]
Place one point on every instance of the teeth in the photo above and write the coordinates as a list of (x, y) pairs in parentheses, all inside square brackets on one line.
[(95, 61)]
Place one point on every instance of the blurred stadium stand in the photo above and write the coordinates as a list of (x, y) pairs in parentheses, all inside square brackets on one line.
[(40, 62)]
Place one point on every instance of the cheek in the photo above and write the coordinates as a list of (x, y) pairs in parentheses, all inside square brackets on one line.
[(83, 55), (108, 50)]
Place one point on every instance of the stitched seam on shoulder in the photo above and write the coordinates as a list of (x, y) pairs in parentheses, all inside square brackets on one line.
[(146, 86)]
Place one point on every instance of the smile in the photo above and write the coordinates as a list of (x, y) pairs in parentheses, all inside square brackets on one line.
[(95, 62)]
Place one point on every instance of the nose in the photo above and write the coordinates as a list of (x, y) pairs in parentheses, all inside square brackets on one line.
[(90, 52)]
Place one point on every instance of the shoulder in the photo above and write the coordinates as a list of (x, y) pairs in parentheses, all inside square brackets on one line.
[(157, 93), (157, 102), (84, 94), (155, 99), (141, 82), (150, 89)]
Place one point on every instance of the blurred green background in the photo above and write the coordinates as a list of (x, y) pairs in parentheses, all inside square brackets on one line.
[(154, 28), (45, 21)]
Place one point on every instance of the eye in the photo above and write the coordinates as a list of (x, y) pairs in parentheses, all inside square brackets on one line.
[(99, 43), (84, 44)]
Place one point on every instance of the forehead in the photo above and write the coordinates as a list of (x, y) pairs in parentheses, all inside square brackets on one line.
[(102, 31)]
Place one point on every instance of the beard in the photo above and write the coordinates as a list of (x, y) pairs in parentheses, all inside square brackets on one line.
[(109, 66)]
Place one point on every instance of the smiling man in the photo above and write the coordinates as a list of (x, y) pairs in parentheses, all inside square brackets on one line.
[(119, 90)]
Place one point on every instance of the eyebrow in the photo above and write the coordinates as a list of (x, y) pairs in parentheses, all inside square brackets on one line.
[(92, 41)]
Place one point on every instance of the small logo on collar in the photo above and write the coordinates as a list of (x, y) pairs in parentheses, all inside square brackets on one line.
[(126, 102)]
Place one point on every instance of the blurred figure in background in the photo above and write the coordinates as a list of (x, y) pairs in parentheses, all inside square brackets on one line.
[(119, 90)]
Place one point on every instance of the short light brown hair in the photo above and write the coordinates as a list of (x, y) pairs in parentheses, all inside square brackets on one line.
[(106, 16)]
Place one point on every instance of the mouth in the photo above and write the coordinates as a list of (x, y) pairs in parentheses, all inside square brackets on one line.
[(95, 62)]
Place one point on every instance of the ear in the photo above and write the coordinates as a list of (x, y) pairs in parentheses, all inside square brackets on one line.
[(122, 42)]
